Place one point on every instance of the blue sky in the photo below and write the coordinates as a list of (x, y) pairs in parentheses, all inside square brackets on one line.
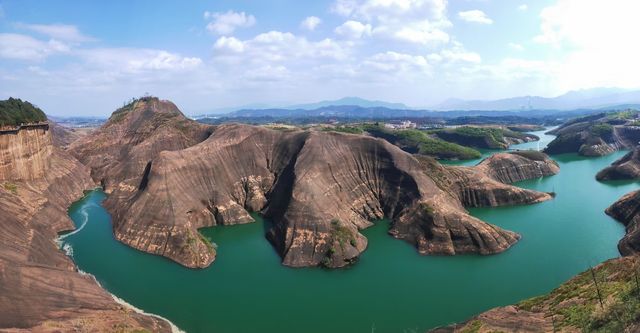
[(87, 57)]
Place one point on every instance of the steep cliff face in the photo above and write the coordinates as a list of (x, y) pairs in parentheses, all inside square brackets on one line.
[(319, 189), (596, 135), (119, 151), (518, 166), (40, 289), (572, 307), (628, 167), (627, 211), (486, 185), (25, 153)]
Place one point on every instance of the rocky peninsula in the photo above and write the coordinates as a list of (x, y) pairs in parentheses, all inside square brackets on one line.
[(319, 188), (628, 167)]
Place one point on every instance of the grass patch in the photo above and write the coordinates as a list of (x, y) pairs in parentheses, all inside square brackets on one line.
[(601, 130), (420, 142), (472, 327), (479, 137), (344, 129), (11, 187)]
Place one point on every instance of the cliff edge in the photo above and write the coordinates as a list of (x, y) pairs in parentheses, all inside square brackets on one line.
[(40, 287)]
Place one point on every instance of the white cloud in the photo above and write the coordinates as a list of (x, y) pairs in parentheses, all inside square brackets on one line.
[(419, 35), (353, 29), (516, 46), (231, 44), (133, 60), (456, 53), (412, 21), (523, 7), (276, 47), (475, 16), (227, 23), (598, 43), (395, 62), (310, 23), (63, 32), (23, 47)]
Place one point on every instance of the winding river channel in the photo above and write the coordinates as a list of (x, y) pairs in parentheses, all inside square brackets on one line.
[(390, 289)]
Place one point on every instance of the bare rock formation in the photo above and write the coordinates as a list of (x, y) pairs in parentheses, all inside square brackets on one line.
[(486, 185), (40, 288), (26, 153), (596, 135), (133, 136), (319, 188), (63, 136), (628, 167), (626, 210)]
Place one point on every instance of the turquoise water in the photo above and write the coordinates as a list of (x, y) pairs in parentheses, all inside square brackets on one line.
[(536, 145), (391, 288)]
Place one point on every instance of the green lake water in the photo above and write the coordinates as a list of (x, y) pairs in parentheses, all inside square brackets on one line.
[(390, 289)]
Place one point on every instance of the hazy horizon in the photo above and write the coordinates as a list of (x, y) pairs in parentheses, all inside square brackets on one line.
[(79, 58)]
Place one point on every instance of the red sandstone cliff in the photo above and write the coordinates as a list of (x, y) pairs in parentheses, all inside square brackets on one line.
[(40, 288)]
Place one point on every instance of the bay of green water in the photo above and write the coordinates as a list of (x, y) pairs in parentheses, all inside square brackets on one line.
[(390, 289)]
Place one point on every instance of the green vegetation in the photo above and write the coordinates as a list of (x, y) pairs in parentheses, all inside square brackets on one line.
[(576, 303), (626, 114), (480, 137), (119, 114), (341, 234), (472, 327), (419, 142), (11, 187), (602, 130), (211, 245), (345, 129), (14, 112)]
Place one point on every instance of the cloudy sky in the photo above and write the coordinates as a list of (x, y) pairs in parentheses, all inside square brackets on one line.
[(88, 57)]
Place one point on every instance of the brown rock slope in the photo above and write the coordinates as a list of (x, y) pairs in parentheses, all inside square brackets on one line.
[(628, 167), (626, 210), (486, 185), (133, 136), (572, 307), (40, 288), (319, 189)]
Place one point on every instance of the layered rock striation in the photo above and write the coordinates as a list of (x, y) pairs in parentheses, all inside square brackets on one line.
[(40, 288), (133, 136), (628, 167), (627, 211), (25, 153), (596, 135), (319, 189)]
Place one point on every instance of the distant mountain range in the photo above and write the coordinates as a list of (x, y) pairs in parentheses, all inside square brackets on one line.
[(596, 98), (351, 101), (355, 107)]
